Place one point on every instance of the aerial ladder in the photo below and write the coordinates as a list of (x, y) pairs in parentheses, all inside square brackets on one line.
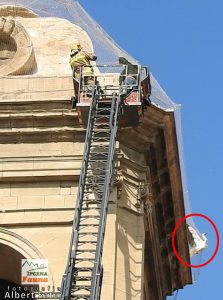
[(109, 106)]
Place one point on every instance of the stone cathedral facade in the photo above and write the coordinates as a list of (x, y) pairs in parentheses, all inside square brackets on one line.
[(41, 149)]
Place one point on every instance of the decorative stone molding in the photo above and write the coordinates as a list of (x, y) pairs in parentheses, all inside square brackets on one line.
[(16, 49), (118, 182), (143, 191), (118, 178), (142, 194), (19, 244)]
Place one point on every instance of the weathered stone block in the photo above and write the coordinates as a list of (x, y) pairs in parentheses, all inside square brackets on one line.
[(70, 201), (30, 201), (8, 203), (54, 201), (37, 189), (5, 189)]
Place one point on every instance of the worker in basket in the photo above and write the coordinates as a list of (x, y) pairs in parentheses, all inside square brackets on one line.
[(80, 62), (129, 74), (129, 78)]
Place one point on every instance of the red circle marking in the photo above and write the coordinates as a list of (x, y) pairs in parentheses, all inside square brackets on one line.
[(174, 234)]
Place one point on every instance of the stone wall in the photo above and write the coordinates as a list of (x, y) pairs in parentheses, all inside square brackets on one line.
[(40, 158)]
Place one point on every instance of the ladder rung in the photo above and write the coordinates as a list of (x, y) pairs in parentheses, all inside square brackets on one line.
[(86, 251), (88, 208), (88, 233), (90, 225), (101, 124), (84, 278), (100, 138), (99, 160), (85, 259), (93, 201), (80, 297), (92, 233), (90, 216), (95, 179), (84, 286), (93, 185), (82, 269), (98, 152), (101, 130), (87, 192), (100, 116), (76, 290), (82, 242), (99, 146)]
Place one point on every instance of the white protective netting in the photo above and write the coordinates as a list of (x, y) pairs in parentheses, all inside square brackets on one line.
[(107, 51)]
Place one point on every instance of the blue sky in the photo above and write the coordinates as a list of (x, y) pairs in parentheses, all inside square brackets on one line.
[(182, 43)]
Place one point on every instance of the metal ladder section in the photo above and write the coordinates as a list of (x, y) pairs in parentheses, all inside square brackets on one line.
[(84, 272)]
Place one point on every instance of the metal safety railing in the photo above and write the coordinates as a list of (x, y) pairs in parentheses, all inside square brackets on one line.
[(128, 77)]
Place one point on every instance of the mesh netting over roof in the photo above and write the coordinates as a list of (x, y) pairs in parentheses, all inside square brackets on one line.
[(107, 52), (104, 46)]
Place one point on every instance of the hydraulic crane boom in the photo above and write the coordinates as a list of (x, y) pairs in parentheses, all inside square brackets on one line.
[(83, 276)]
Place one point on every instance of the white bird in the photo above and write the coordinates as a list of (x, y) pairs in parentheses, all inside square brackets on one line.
[(197, 242)]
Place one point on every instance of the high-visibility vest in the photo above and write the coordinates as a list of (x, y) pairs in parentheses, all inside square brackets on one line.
[(81, 59)]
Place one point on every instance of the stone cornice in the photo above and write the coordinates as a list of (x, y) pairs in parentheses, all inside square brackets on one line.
[(33, 168), (157, 137), (139, 138), (29, 121), (24, 88)]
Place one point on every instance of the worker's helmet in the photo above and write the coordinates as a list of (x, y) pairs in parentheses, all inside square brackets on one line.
[(75, 46)]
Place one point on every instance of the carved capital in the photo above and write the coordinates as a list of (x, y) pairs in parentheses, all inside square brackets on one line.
[(118, 182), (118, 179)]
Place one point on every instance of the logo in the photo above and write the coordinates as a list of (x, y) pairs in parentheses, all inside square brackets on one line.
[(34, 271)]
